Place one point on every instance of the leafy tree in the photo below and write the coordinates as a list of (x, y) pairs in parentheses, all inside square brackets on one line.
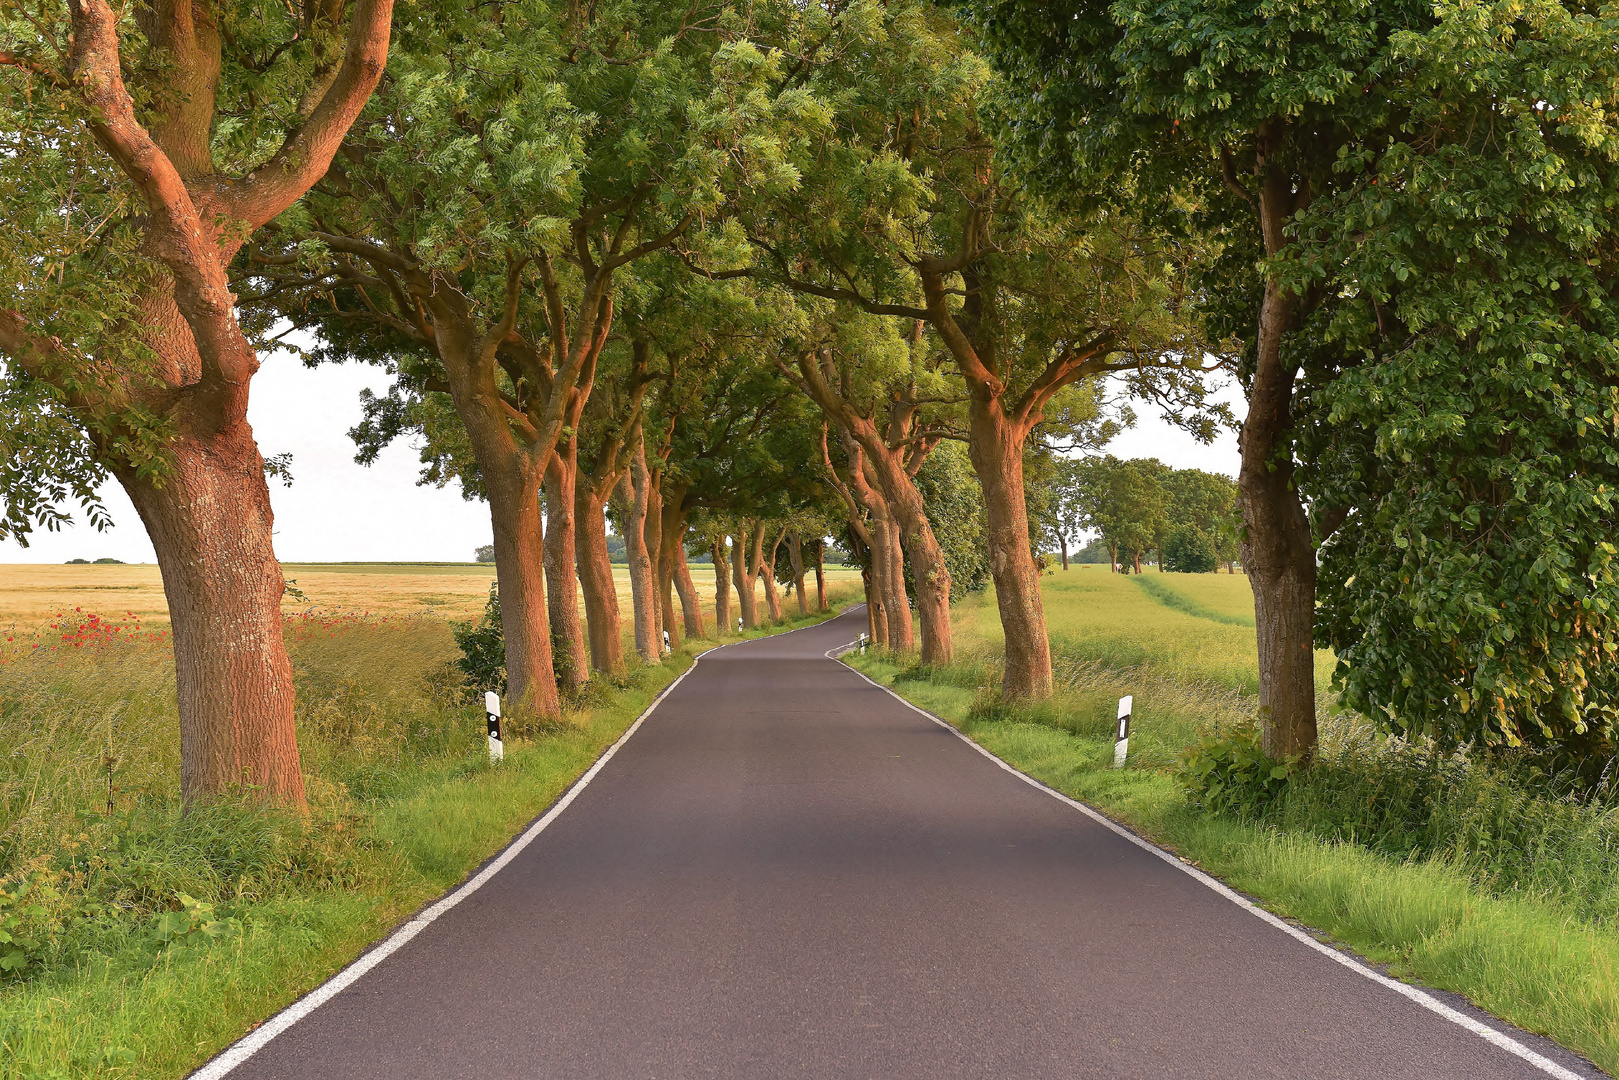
[(1189, 550), (140, 149), (517, 161), (1124, 501), (1202, 518), (956, 512), (916, 218), (1241, 114), (882, 392), (1465, 454)]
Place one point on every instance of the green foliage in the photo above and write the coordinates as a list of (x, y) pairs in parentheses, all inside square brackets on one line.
[(23, 929), (1124, 501), (955, 508), (482, 662), (1229, 772), (1189, 550), (1513, 823), (1471, 592)]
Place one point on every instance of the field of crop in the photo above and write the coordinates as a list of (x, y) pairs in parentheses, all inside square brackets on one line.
[(31, 594), (1487, 876), (138, 941)]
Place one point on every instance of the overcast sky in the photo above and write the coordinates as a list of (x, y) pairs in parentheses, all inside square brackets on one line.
[(338, 511)]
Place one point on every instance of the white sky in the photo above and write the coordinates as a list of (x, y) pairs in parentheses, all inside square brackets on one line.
[(338, 511)]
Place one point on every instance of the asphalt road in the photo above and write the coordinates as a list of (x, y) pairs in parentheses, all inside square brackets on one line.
[(788, 873)]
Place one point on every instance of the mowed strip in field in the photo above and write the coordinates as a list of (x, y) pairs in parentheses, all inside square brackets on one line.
[(34, 594)]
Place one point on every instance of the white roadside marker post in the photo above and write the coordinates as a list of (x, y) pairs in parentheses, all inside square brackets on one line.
[(739, 624), (666, 647), (862, 643), (1121, 740), (491, 708)]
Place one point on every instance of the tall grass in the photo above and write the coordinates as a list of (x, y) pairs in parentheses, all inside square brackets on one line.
[(152, 937)]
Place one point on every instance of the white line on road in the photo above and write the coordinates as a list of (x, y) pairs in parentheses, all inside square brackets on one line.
[(257, 1039), (1427, 1001)]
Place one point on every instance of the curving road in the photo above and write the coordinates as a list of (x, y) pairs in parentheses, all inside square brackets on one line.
[(787, 872)]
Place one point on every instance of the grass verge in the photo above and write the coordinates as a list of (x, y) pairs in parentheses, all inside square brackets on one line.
[(158, 938), (1538, 959)]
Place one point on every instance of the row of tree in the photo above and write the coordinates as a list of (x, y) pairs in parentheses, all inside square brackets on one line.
[(1187, 516), (739, 271)]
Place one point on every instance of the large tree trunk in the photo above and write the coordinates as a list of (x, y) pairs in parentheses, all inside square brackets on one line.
[(767, 570), (722, 585), (996, 448), (1276, 547), (914, 534), (643, 588), (210, 524), (888, 562), (210, 521), (673, 576), (820, 575), (876, 617), (514, 511), (596, 581), (1063, 542), (747, 601), (795, 552), (654, 550), (674, 547), (562, 592)]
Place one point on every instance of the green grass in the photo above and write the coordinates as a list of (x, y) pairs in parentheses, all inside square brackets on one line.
[(1173, 595), (1459, 874), (403, 806)]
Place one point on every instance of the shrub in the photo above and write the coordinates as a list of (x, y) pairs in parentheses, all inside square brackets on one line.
[(483, 649), (1189, 550), (1229, 772)]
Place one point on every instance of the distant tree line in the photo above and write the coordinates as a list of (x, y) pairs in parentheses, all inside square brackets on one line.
[(1188, 518)]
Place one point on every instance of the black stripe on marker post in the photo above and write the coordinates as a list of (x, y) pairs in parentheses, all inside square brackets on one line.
[(1121, 740), (491, 708)]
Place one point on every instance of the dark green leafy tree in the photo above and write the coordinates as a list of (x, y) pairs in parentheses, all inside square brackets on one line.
[(1200, 520), (1123, 501), (1470, 446), (1228, 121)]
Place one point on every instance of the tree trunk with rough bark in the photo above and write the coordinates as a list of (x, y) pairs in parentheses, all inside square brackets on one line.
[(643, 587), (892, 461), (562, 586), (722, 585), (1063, 542), (674, 545), (514, 511), (210, 523), (996, 449), (672, 565), (742, 578), (795, 552), (1276, 547), (653, 530), (820, 575), (767, 571), (595, 566)]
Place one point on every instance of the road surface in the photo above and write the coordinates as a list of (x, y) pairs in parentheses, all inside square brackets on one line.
[(786, 872)]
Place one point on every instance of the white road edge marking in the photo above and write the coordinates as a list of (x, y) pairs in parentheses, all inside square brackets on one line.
[(258, 1038), (1427, 1001)]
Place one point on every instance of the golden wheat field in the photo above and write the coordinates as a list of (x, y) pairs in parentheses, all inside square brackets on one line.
[(33, 594)]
